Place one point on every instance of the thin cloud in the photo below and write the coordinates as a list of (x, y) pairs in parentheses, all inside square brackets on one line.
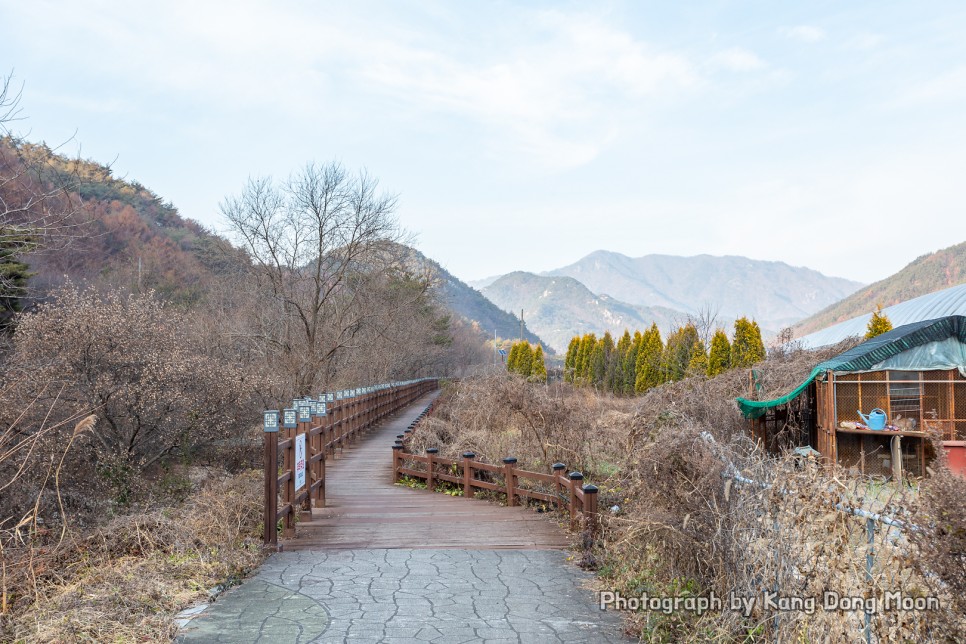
[(803, 33), (737, 59)]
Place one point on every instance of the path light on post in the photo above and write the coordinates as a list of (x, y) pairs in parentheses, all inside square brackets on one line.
[(270, 527), (575, 483)]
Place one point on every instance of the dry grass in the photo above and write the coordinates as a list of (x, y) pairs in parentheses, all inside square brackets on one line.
[(125, 580), (675, 522)]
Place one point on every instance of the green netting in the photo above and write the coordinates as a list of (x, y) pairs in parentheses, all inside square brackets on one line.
[(873, 353)]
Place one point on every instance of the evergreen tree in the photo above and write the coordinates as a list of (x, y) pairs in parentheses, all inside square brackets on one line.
[(571, 360), (617, 367), (602, 356), (649, 372), (879, 323), (720, 359), (524, 359), (698, 365), (14, 274), (538, 369), (513, 358), (630, 363), (678, 352), (584, 357), (746, 347)]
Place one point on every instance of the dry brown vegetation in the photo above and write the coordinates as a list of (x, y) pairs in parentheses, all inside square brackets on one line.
[(124, 580), (676, 522)]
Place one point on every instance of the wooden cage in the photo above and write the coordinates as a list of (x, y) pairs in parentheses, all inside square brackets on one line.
[(919, 403)]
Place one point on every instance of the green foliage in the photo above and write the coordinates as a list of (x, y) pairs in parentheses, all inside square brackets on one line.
[(584, 357), (678, 352), (719, 360), (649, 361), (879, 323), (698, 365), (14, 273), (538, 367), (571, 360), (630, 363), (747, 347), (513, 358), (524, 359)]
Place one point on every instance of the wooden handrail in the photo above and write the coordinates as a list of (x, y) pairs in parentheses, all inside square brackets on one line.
[(345, 420), (570, 493)]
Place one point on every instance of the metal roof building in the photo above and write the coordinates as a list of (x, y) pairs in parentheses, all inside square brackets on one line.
[(950, 301)]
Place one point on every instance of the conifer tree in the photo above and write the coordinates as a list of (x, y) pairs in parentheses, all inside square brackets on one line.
[(14, 273), (678, 352), (602, 355), (538, 368), (524, 359), (747, 347), (879, 323), (584, 357), (630, 363), (511, 361), (618, 364), (571, 360), (720, 358), (649, 373), (698, 365)]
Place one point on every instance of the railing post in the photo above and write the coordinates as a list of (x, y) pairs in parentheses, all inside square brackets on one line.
[(510, 479), (431, 468), (558, 471), (270, 529), (468, 474), (396, 457), (575, 479), (590, 508)]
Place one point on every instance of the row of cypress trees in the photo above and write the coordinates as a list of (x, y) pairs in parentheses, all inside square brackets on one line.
[(637, 363), (527, 361)]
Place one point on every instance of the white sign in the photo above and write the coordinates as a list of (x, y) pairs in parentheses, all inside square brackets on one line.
[(299, 462)]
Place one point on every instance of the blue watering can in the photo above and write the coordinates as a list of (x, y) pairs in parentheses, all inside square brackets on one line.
[(875, 420)]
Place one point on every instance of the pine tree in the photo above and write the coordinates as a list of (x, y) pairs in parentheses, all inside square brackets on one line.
[(513, 358), (720, 358), (14, 274), (879, 323), (584, 356), (524, 359), (571, 360), (678, 352), (698, 365), (630, 363), (538, 368), (649, 373), (746, 347)]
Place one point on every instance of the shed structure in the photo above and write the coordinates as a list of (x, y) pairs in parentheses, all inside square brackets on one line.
[(915, 373)]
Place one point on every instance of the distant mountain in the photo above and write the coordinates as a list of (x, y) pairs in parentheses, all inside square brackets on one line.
[(927, 274), (471, 305), (559, 308), (773, 293)]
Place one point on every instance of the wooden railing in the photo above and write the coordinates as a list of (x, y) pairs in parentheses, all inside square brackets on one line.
[(563, 490), (302, 436)]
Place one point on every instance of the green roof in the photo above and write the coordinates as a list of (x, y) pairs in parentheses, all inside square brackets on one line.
[(871, 354)]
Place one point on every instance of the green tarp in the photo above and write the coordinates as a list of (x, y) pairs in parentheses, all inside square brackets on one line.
[(941, 344)]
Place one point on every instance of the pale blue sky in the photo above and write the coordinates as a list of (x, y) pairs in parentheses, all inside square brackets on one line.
[(524, 135)]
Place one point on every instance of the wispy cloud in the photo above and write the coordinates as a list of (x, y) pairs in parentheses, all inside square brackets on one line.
[(803, 33), (737, 59)]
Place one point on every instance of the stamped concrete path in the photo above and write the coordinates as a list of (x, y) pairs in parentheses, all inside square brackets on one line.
[(385, 563)]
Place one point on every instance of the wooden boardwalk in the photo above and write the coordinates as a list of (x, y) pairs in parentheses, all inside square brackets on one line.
[(364, 509)]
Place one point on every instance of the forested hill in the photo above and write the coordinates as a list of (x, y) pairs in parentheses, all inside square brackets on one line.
[(469, 304), (927, 274), (120, 232)]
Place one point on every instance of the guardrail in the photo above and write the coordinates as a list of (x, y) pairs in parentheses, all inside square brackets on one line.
[(303, 435), (565, 491)]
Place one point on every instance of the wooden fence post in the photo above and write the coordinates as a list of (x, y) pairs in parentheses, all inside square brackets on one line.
[(509, 478), (431, 468), (270, 530), (590, 508), (575, 479), (396, 457), (468, 474), (558, 471)]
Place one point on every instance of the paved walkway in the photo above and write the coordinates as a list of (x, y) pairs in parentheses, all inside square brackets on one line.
[(509, 583)]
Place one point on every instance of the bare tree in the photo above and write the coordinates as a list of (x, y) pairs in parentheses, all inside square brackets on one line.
[(318, 244)]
